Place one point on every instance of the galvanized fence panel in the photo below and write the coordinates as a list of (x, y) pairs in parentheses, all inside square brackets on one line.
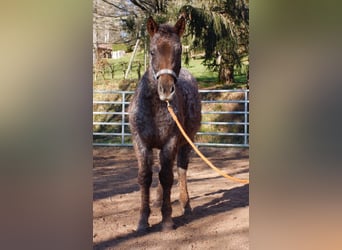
[(225, 118)]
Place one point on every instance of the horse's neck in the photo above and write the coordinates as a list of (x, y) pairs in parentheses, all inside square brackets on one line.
[(151, 81), (147, 87)]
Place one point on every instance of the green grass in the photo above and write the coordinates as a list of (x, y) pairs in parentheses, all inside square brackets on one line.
[(120, 46), (120, 67), (202, 74)]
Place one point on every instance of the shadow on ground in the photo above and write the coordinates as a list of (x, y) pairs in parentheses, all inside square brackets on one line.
[(236, 197)]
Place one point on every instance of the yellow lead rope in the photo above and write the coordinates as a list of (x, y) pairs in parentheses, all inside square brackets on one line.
[(199, 152)]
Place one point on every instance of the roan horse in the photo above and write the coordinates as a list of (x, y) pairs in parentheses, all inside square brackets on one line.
[(152, 126)]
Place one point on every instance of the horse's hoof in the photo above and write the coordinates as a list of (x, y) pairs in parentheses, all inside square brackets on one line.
[(167, 225), (143, 228), (187, 210)]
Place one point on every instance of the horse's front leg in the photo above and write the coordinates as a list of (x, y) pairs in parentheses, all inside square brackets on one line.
[(145, 162), (167, 155)]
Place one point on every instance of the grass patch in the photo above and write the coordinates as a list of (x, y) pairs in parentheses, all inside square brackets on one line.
[(120, 46), (202, 74), (118, 67)]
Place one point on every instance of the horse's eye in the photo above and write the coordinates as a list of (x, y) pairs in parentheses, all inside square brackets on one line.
[(152, 53)]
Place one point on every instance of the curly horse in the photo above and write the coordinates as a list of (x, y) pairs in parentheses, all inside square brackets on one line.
[(152, 126)]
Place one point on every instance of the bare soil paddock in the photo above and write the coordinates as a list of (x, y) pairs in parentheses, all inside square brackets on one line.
[(220, 217)]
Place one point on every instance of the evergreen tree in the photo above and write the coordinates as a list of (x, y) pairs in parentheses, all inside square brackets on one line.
[(222, 29)]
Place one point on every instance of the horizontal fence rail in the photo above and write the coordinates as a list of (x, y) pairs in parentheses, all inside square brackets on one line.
[(225, 118)]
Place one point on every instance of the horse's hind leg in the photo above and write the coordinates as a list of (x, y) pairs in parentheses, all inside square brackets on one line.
[(182, 166), (145, 162)]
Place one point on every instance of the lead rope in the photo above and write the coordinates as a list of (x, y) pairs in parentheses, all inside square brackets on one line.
[(170, 109)]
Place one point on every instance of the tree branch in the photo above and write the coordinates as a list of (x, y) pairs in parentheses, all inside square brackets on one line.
[(115, 5)]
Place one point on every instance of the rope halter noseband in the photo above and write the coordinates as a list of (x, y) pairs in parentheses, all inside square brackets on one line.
[(162, 72)]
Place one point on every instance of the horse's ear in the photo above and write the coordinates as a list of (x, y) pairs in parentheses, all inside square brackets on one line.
[(152, 26), (180, 26)]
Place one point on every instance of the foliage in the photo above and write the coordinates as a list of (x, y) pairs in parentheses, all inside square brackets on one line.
[(222, 29), (120, 46)]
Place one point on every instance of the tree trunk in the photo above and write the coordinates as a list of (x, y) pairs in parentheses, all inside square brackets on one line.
[(226, 72)]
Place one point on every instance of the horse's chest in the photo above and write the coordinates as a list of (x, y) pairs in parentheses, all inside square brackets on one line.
[(163, 123), (159, 127)]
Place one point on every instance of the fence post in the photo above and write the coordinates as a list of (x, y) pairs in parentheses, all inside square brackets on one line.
[(246, 118), (132, 57), (123, 118)]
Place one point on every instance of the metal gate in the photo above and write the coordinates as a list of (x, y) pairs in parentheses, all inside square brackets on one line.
[(225, 118)]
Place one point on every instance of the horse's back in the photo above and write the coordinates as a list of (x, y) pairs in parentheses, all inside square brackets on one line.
[(187, 80)]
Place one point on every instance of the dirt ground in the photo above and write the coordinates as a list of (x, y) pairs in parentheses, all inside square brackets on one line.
[(220, 217)]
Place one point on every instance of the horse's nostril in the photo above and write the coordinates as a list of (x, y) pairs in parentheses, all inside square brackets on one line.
[(172, 89)]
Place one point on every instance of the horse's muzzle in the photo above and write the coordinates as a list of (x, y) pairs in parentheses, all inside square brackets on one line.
[(166, 79), (166, 90)]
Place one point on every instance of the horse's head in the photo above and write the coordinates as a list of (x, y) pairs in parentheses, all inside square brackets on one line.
[(166, 52)]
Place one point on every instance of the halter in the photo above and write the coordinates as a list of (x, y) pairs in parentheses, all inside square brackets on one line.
[(162, 72)]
